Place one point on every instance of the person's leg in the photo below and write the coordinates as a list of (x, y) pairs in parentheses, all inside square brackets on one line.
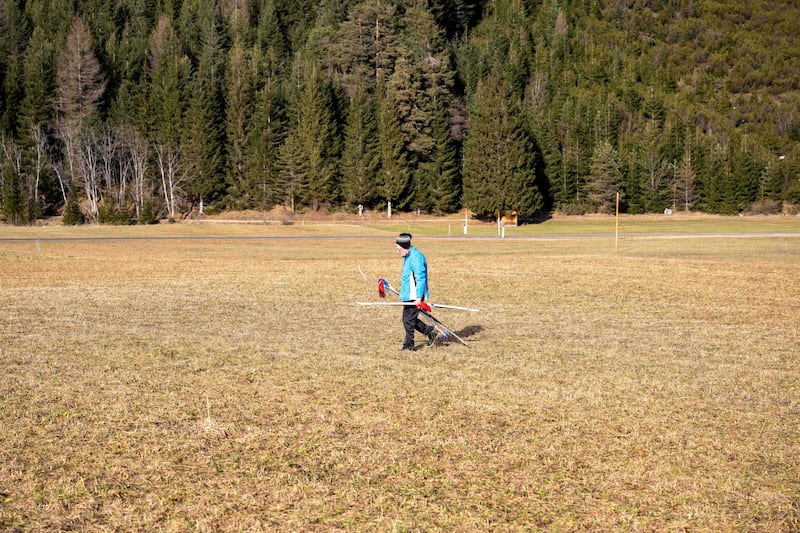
[(410, 319), (428, 330), (422, 327)]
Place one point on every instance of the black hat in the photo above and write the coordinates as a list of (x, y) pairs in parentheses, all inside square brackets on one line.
[(404, 240)]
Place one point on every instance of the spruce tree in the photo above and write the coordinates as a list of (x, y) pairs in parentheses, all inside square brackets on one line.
[(72, 212), (360, 157), (499, 157), (12, 195), (170, 75), (14, 32), (40, 81), (204, 135), (267, 131), (240, 100), (317, 136), (605, 178), (445, 186), (394, 178)]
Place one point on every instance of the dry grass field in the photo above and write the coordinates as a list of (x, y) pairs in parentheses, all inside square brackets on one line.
[(218, 384)]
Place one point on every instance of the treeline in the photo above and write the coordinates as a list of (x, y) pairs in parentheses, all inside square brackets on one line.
[(124, 111)]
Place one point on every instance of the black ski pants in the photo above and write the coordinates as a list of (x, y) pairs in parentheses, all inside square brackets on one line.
[(411, 323)]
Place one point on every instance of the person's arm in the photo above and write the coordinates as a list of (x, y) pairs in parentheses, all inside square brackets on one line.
[(420, 277)]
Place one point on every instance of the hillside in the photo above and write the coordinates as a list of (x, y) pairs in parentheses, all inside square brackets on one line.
[(130, 110)]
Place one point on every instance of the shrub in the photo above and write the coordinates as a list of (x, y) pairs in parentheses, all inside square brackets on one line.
[(147, 216), (72, 211), (764, 207), (113, 215)]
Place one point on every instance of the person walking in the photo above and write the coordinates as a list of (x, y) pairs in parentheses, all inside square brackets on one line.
[(413, 290)]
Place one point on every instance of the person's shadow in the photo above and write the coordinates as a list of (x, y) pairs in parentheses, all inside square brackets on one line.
[(469, 331)]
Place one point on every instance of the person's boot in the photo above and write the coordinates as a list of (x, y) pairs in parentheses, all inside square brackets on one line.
[(433, 336)]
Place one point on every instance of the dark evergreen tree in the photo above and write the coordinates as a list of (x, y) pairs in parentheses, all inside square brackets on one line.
[(240, 103), (12, 195), (742, 189), (128, 55), (270, 35), (170, 75), (360, 157), (204, 141), (499, 158), (445, 189), (656, 175), (604, 179), (267, 130), (72, 212), (316, 135), (394, 178), (297, 17), (14, 33), (39, 81), (366, 44)]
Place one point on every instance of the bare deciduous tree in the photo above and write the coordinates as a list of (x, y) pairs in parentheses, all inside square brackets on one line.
[(91, 171), (39, 138), (138, 152), (172, 175)]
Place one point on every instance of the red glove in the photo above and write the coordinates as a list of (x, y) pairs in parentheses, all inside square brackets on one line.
[(422, 306), (381, 288)]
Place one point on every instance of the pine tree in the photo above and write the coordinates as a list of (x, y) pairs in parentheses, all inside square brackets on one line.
[(445, 190), (40, 80), (743, 186), (684, 186), (170, 74), (13, 201), (604, 178), (128, 56), (317, 137), (240, 103), (393, 177), (360, 157), (420, 84), (366, 44), (499, 157), (72, 212), (14, 32), (269, 36), (655, 182), (293, 170), (267, 131), (204, 136)]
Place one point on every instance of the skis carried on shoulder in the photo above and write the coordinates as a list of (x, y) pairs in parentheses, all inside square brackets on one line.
[(424, 308)]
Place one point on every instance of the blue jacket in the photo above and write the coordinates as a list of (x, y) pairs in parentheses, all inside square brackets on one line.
[(414, 278)]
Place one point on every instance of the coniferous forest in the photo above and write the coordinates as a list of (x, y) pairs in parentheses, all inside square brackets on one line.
[(121, 111)]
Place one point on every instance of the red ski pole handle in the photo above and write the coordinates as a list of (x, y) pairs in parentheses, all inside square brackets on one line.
[(381, 288)]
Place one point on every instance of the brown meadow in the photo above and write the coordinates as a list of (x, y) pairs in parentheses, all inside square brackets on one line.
[(232, 384)]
